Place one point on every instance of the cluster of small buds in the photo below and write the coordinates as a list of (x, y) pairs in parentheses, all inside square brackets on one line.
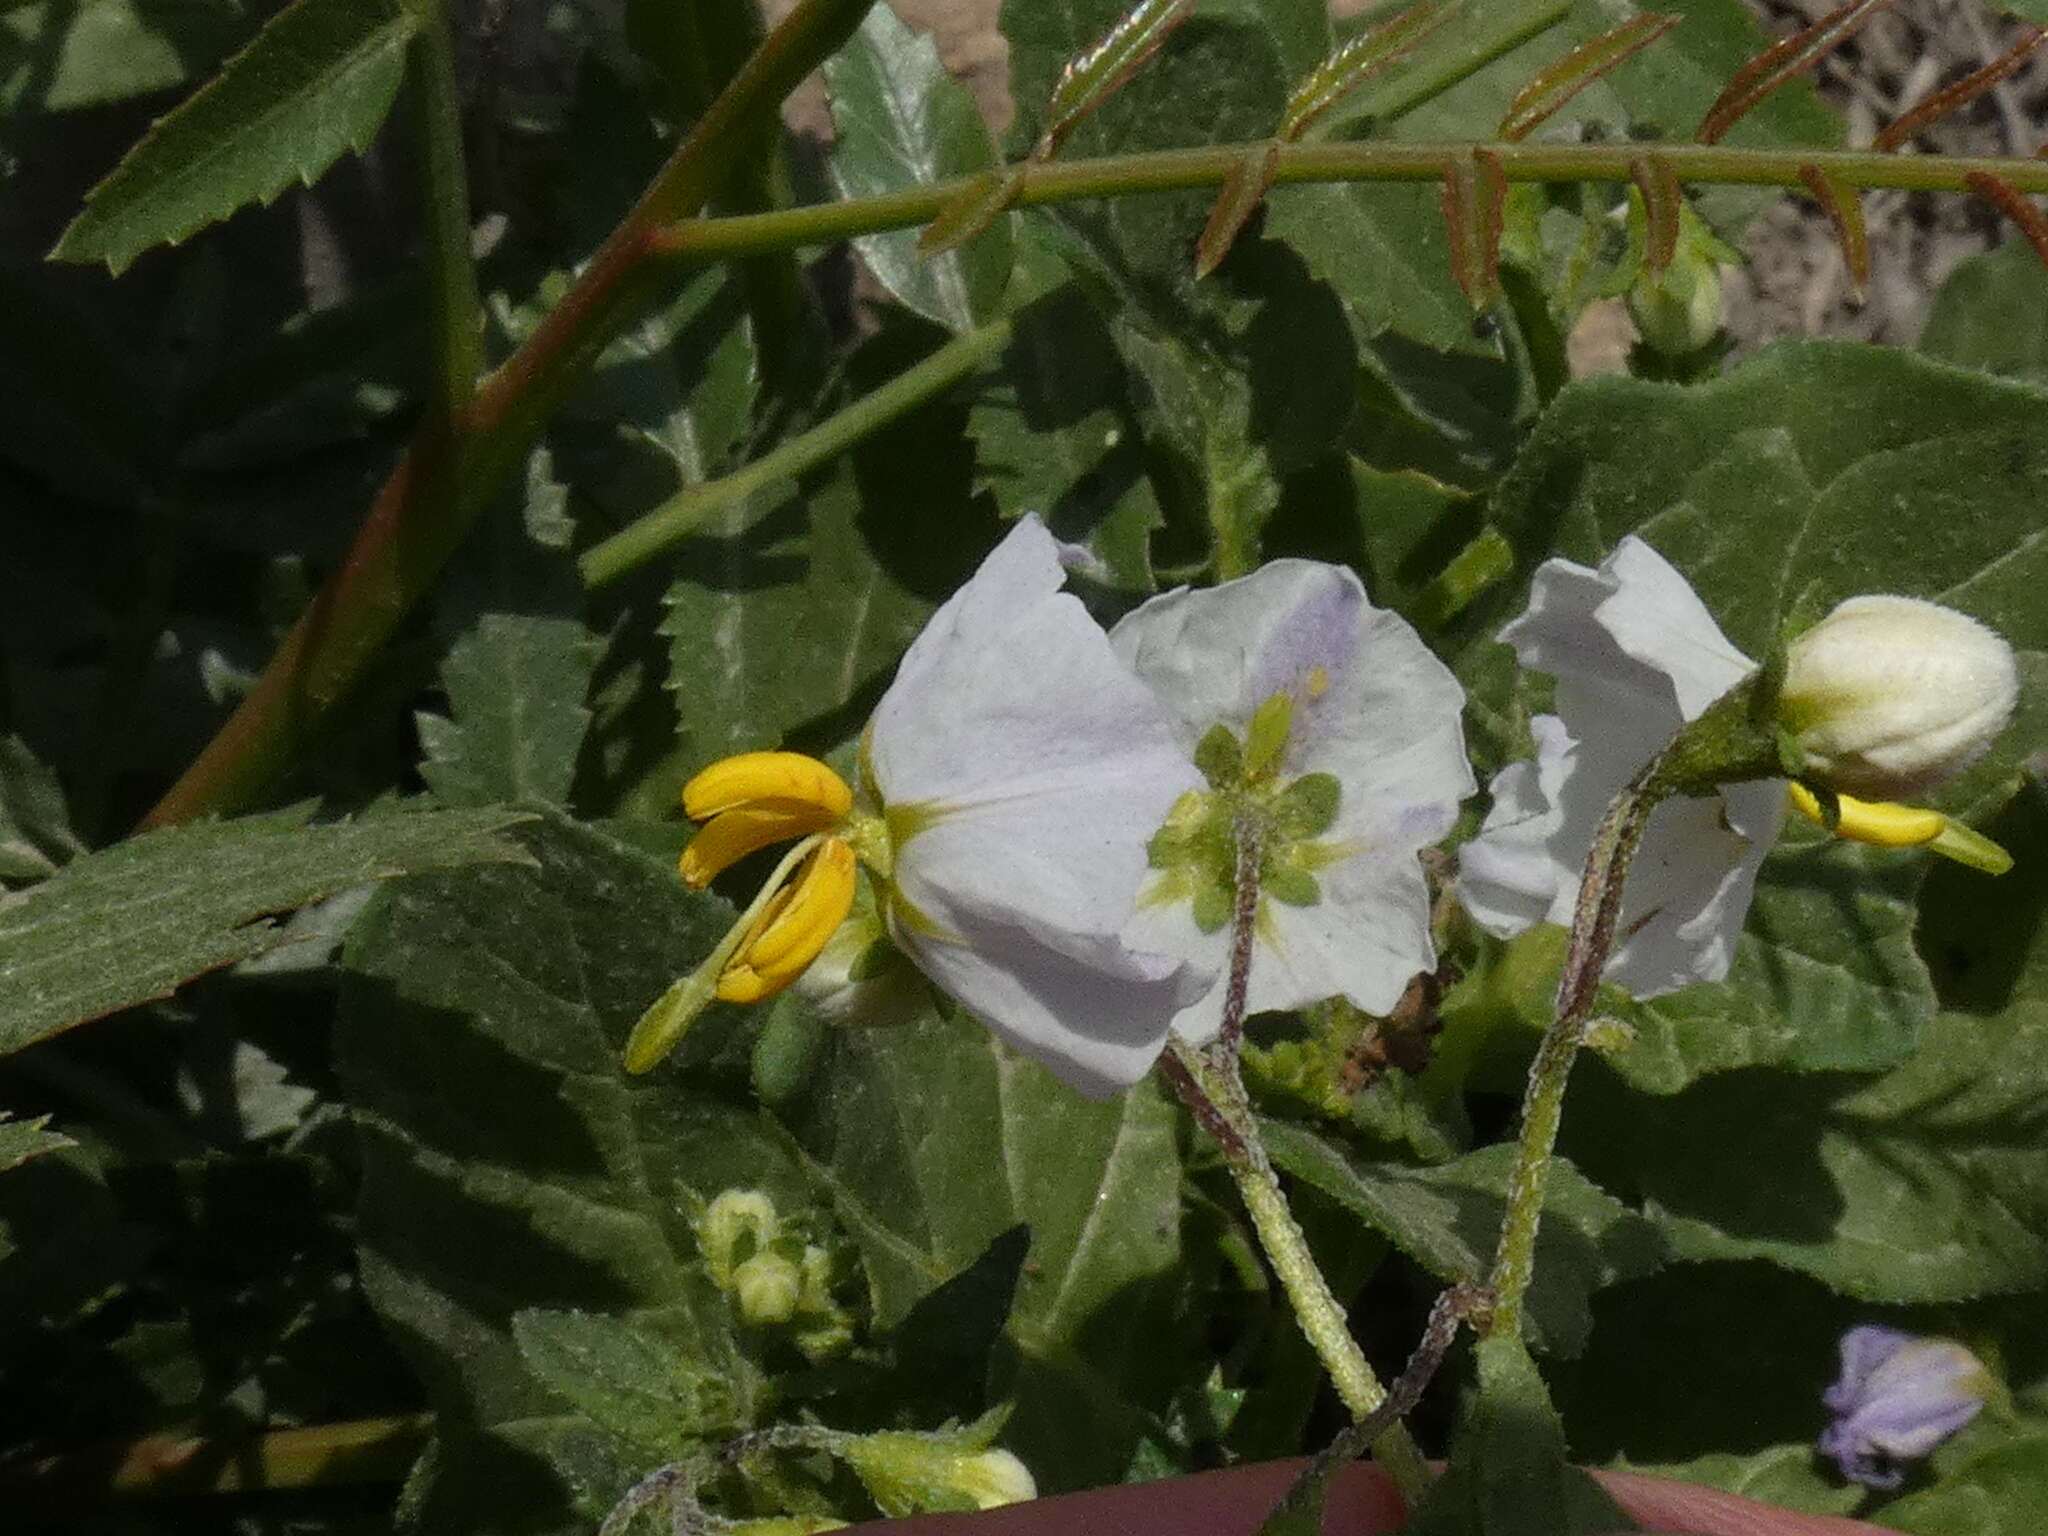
[(775, 1278)]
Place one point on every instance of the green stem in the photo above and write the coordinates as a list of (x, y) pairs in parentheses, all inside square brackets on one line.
[(686, 511), (1176, 170), (436, 110), (1217, 1098), (444, 481), (1592, 937)]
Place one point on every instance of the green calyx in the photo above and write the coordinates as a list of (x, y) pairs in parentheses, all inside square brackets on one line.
[(1195, 851), (1737, 737)]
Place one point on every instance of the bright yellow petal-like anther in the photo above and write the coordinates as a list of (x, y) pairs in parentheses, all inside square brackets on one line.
[(731, 835), (1886, 825), (780, 779), (794, 927), (1879, 822)]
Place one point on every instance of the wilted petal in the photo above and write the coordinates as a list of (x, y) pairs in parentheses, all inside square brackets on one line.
[(1636, 655)]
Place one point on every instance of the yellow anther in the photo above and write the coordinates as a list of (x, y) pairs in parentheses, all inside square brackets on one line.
[(1879, 822), (774, 780), (1318, 682), (1905, 826), (731, 835), (794, 926)]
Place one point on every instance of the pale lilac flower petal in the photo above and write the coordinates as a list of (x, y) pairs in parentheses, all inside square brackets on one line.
[(1898, 1398), (1372, 707), (1636, 655), (1027, 768)]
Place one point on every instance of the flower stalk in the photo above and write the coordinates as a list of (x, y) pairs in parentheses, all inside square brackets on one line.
[(1211, 1084)]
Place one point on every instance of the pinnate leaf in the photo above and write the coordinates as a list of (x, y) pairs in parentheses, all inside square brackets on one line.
[(315, 84), (132, 923)]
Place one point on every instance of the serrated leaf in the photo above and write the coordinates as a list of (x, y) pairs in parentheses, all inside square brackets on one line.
[(60, 55), (904, 122), (509, 1163), (1778, 490), (516, 685), (626, 1378), (1096, 1183), (794, 618), (316, 83), (135, 921), (1447, 1217), (21, 1140)]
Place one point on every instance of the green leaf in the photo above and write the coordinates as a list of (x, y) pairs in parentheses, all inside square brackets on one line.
[(1096, 72), (625, 1377), (509, 1163), (1924, 1185), (1055, 433), (515, 685), (1777, 489), (316, 82), (1384, 248), (2003, 1492), (35, 826), (788, 618), (60, 55), (1508, 1474), (1096, 1348), (1447, 1218), (903, 122), (134, 922), (1787, 1476), (21, 1140), (1992, 313)]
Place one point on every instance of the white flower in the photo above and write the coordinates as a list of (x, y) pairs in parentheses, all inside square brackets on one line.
[(1888, 695), (1009, 780), (1019, 768), (1635, 654), (1328, 723)]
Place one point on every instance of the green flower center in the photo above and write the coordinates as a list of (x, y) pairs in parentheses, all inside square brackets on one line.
[(1195, 852)]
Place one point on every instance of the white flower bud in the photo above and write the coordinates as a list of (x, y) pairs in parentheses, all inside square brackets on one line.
[(1888, 695)]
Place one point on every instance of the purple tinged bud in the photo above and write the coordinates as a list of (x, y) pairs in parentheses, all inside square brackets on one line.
[(1899, 1396)]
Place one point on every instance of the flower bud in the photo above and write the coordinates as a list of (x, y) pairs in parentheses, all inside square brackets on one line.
[(768, 1288), (1888, 695), (1678, 310), (1898, 1398), (731, 1229), (910, 1473)]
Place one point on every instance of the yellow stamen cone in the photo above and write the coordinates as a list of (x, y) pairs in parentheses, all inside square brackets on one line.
[(794, 928), (782, 779), (731, 835)]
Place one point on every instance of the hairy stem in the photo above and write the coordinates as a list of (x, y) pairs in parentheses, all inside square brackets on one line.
[(1592, 938), (446, 477), (686, 511)]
